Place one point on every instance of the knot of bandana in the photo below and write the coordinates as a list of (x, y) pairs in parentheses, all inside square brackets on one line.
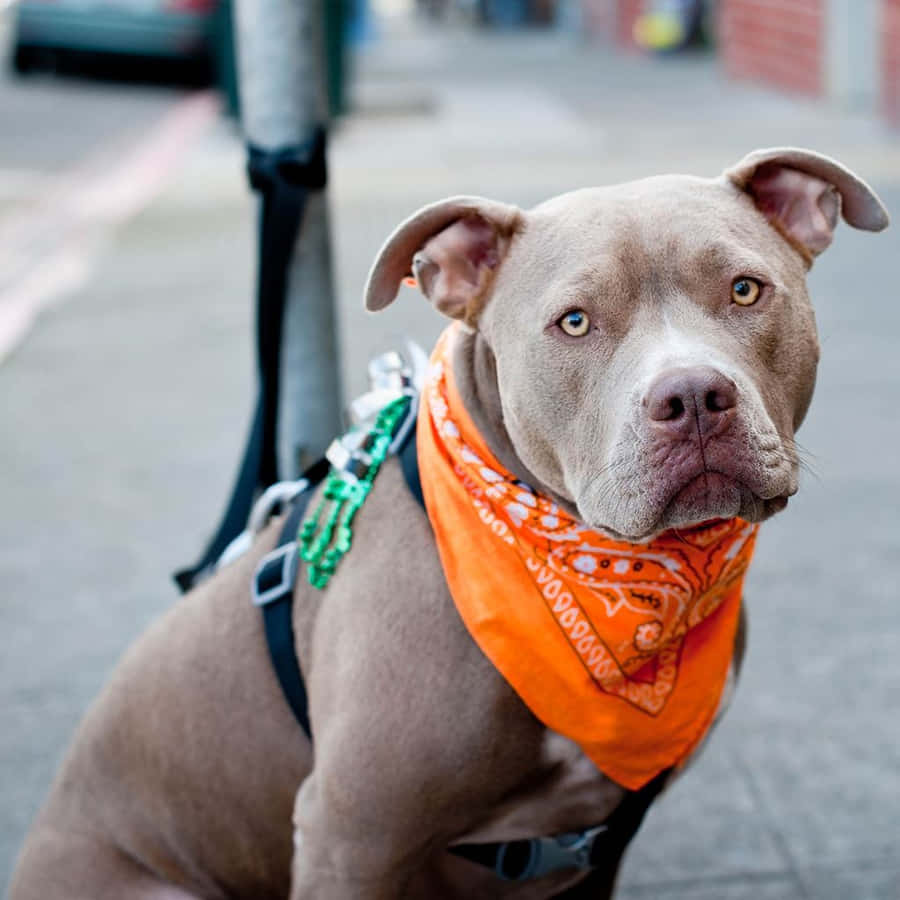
[(625, 648)]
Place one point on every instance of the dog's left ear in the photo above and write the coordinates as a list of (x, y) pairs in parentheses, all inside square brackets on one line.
[(452, 248), (802, 194)]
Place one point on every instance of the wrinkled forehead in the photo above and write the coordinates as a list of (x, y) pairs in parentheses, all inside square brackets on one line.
[(667, 219)]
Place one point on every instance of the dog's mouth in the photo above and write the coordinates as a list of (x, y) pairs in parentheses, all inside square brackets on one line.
[(705, 499), (648, 486), (716, 492), (715, 495)]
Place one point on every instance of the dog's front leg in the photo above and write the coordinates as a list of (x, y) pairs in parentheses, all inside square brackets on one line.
[(395, 784), (342, 850)]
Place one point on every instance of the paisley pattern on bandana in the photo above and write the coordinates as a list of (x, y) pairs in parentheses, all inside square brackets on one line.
[(623, 647)]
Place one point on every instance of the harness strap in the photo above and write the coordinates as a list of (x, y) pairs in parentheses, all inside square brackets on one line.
[(409, 461), (273, 592), (626, 819), (599, 849), (276, 574)]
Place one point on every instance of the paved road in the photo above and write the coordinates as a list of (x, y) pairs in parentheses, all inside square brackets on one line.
[(50, 124), (79, 156), (124, 410), (88, 255)]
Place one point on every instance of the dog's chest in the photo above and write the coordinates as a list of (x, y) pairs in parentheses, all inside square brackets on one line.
[(567, 793)]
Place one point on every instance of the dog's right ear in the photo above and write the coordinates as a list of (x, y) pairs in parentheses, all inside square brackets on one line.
[(452, 248)]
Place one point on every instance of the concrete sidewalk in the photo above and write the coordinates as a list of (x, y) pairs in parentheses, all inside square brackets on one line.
[(126, 408)]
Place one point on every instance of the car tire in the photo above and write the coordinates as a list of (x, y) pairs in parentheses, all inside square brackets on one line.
[(26, 59), (23, 59)]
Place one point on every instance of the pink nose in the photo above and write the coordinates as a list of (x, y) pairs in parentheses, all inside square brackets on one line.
[(698, 398)]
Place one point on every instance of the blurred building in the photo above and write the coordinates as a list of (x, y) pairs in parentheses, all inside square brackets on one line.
[(497, 12), (847, 51)]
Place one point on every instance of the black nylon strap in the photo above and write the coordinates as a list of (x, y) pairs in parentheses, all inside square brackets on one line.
[(278, 613), (283, 177), (625, 821), (238, 509), (409, 460), (514, 860), (278, 620)]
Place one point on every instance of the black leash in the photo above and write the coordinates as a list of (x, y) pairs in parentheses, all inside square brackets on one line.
[(284, 178)]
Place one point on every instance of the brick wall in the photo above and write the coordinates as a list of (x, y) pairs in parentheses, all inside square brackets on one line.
[(890, 59), (780, 42), (628, 12), (788, 45), (612, 19)]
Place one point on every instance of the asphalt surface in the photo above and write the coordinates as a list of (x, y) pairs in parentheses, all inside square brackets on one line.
[(124, 410), (51, 123)]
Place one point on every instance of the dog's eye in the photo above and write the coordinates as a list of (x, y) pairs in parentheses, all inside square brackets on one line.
[(575, 323), (745, 291)]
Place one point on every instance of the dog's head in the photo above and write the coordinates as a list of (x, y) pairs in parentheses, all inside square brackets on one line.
[(654, 345)]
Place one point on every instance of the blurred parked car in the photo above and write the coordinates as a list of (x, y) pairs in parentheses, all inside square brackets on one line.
[(181, 30)]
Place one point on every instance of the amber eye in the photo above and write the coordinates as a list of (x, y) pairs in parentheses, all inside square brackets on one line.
[(575, 323), (745, 291)]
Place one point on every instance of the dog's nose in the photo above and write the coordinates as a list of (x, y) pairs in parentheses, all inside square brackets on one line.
[(698, 398)]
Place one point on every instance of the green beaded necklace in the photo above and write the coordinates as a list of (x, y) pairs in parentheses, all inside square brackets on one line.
[(325, 537)]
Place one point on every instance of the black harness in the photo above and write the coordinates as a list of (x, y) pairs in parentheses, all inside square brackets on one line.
[(598, 848)]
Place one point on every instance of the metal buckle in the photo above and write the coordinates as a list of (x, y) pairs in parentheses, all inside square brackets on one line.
[(391, 376), (281, 562), (235, 549), (578, 846), (366, 407), (348, 457), (548, 854), (280, 492)]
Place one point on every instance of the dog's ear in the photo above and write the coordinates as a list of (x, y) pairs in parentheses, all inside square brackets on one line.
[(452, 248), (802, 194)]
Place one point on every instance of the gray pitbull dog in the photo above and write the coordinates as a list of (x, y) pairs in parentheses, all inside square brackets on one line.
[(678, 403)]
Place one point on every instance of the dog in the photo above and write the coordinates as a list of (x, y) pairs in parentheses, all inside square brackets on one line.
[(640, 356)]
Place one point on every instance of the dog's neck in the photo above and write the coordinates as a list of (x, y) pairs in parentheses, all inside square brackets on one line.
[(475, 373)]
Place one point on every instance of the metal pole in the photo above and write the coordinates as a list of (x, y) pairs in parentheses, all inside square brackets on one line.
[(282, 94)]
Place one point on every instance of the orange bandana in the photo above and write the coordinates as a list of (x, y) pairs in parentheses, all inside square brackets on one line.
[(624, 648)]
